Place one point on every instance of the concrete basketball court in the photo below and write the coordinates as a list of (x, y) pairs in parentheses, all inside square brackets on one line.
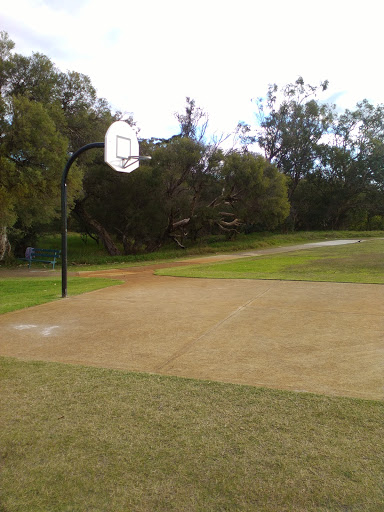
[(311, 337)]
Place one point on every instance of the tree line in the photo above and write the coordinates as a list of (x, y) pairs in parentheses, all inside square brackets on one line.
[(301, 166)]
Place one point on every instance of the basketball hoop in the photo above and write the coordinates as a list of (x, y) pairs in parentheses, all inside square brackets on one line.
[(133, 159), (122, 148), (121, 152)]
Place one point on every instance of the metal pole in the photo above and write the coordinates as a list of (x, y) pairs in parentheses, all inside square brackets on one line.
[(64, 244)]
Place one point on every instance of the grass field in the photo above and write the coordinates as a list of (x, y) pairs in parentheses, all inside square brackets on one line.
[(84, 251), (23, 292), (88, 439), (353, 263)]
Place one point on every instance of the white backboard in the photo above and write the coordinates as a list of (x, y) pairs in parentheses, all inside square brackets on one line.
[(121, 150)]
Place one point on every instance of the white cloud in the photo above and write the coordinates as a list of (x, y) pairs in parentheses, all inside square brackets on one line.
[(145, 57)]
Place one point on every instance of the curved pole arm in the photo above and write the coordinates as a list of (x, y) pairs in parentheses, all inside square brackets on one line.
[(64, 244)]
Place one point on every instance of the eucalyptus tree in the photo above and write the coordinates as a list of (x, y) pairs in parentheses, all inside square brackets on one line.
[(352, 167), (32, 147), (193, 121), (44, 115), (291, 125), (254, 193)]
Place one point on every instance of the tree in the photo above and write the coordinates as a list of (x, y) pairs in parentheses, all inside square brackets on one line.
[(33, 155), (152, 204), (128, 206), (352, 166), (291, 124), (34, 77), (32, 149), (193, 122), (254, 193), (6, 47), (44, 114), (7, 215), (183, 167), (87, 116)]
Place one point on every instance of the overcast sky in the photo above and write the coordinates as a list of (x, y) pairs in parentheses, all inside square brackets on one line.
[(146, 56)]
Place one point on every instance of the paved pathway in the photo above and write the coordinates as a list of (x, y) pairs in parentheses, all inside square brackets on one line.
[(318, 337)]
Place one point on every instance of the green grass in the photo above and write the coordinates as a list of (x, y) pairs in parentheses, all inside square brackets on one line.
[(86, 439), (353, 263), (356, 263), (18, 293), (83, 255)]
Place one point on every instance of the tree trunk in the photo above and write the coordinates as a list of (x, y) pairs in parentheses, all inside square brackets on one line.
[(5, 246), (98, 228)]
